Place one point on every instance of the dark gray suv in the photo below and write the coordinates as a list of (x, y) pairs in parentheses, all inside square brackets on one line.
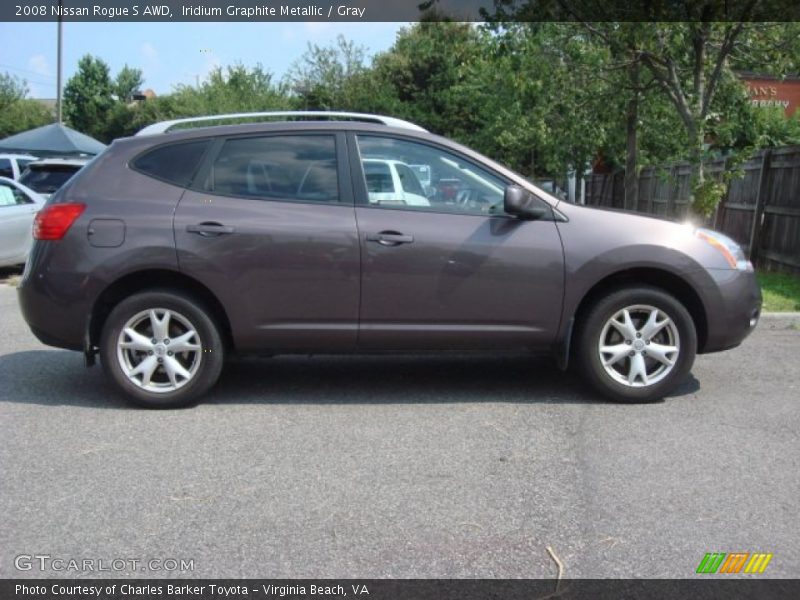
[(347, 233)]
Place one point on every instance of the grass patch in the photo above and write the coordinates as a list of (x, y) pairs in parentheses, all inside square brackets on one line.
[(781, 292)]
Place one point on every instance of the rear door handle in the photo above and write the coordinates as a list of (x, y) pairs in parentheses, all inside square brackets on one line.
[(390, 238), (209, 229)]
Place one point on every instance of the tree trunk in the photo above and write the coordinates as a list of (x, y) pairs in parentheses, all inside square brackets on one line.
[(696, 139), (697, 208), (631, 145)]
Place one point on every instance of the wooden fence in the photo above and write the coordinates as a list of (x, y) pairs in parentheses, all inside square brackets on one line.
[(760, 210)]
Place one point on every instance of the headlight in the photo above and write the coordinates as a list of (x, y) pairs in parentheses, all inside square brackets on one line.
[(732, 251)]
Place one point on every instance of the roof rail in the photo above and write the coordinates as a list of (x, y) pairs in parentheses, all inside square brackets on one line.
[(165, 126)]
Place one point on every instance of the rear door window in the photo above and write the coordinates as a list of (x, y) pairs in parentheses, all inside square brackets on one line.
[(299, 168)]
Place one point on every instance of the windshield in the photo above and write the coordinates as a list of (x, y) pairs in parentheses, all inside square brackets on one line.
[(47, 179)]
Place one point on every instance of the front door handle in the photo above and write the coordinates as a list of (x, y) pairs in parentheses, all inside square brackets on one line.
[(390, 238), (209, 229)]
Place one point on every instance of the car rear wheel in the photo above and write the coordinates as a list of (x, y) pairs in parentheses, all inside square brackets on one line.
[(637, 344), (162, 349)]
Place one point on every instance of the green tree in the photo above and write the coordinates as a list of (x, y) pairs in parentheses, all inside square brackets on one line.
[(236, 89), (422, 72), (127, 82), (230, 90), (323, 77), (23, 115), (88, 97), (685, 62), (536, 103), (690, 63), (17, 112), (12, 89)]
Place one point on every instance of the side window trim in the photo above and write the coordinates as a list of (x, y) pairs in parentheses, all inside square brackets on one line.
[(357, 175), (203, 180)]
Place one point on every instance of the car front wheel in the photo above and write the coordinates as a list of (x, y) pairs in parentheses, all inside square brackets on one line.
[(637, 344), (162, 349)]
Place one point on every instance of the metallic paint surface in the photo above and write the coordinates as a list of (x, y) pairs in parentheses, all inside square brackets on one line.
[(302, 277)]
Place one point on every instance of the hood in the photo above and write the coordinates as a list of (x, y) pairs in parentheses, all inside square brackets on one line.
[(641, 238)]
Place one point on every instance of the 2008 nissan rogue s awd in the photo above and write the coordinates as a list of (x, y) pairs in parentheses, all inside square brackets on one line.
[(180, 246)]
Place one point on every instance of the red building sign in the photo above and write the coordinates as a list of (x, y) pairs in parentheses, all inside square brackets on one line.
[(769, 91)]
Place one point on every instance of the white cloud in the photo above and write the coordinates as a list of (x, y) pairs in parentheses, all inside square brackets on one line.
[(151, 62), (211, 62), (149, 52), (37, 87), (39, 65), (37, 91), (316, 28)]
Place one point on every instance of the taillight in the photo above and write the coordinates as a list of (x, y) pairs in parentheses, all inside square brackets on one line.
[(53, 222)]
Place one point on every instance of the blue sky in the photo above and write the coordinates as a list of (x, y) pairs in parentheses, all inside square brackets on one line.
[(172, 53)]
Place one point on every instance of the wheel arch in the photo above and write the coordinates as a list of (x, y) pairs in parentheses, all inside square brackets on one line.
[(149, 279), (662, 279)]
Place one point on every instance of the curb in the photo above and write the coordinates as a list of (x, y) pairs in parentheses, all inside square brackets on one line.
[(780, 315), (780, 321)]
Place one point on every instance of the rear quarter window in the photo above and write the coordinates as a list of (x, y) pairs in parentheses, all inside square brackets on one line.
[(173, 163)]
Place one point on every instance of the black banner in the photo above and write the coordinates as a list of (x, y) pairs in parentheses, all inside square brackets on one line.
[(398, 10), (722, 588)]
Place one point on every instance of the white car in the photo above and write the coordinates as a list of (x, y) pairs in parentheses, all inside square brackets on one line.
[(12, 165), (47, 175), (393, 182), (18, 206)]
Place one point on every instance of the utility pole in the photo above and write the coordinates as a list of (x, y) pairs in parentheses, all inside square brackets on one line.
[(59, 112)]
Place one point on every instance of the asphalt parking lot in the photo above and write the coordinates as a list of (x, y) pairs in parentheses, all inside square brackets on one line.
[(402, 467)]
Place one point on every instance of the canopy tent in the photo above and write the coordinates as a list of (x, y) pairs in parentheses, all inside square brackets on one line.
[(52, 140)]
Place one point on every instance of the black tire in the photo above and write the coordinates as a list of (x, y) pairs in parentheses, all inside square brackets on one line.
[(595, 321), (203, 364)]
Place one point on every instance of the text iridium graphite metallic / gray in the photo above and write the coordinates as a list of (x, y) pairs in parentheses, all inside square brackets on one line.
[(308, 11)]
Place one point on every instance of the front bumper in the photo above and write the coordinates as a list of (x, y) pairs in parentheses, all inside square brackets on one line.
[(733, 310)]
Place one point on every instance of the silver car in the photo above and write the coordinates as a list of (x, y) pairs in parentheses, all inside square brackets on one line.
[(13, 165), (18, 206)]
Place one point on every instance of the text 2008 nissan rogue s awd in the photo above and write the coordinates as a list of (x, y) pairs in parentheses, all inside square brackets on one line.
[(178, 247)]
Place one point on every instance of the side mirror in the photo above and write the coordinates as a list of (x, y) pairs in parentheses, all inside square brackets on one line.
[(522, 204)]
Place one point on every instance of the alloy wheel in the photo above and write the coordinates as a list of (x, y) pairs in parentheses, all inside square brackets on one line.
[(159, 350), (639, 345)]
